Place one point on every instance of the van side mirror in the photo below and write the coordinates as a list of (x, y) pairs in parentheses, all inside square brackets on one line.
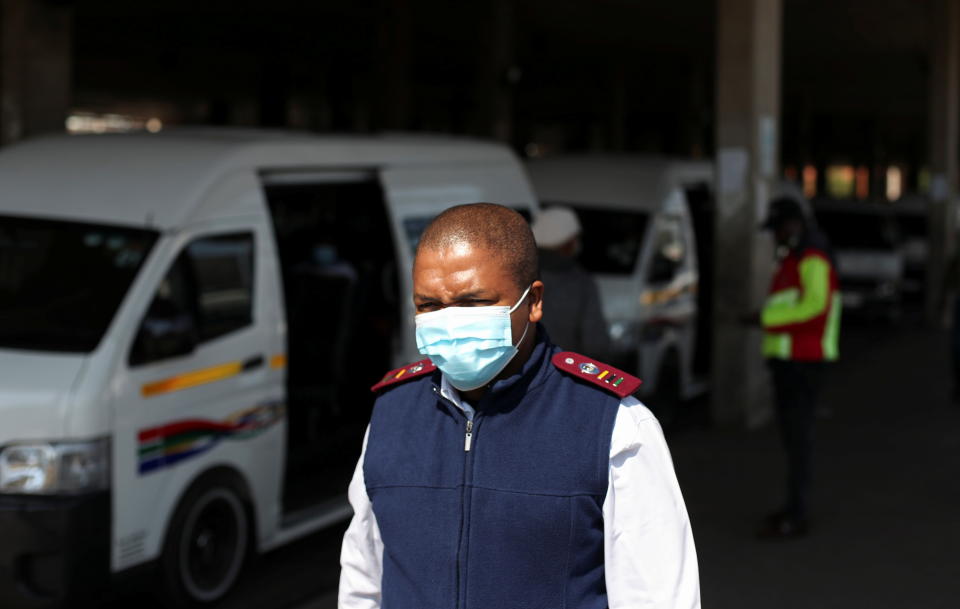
[(166, 331)]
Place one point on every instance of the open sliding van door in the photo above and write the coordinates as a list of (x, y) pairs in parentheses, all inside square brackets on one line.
[(416, 195), (338, 268)]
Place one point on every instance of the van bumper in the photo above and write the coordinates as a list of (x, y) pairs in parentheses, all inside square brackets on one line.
[(54, 551)]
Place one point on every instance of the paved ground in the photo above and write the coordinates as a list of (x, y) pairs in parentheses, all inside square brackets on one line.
[(305, 571), (886, 532)]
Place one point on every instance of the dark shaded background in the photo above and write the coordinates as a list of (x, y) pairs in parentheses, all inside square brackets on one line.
[(565, 74)]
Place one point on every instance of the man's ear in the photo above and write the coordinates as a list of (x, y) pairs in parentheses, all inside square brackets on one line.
[(536, 301)]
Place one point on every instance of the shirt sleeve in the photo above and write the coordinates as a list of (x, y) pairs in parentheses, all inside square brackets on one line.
[(813, 299), (650, 558), (361, 557)]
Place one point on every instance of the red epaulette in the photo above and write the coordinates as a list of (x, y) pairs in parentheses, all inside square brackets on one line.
[(405, 373), (612, 379)]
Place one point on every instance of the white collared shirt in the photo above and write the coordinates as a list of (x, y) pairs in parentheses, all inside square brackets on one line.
[(649, 557)]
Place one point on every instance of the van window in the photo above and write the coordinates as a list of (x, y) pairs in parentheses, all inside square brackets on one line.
[(62, 282), (224, 276), (414, 227), (670, 250), (611, 239), (206, 294)]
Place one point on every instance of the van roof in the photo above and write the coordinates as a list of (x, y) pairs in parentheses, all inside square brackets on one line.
[(157, 179), (623, 181)]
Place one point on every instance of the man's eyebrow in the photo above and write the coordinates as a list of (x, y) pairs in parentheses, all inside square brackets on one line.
[(478, 294)]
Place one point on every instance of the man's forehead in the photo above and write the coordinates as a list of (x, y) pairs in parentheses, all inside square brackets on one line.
[(460, 253), (454, 271), (460, 248), (437, 282)]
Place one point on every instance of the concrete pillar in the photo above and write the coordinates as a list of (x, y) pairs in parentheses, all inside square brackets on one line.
[(944, 118), (747, 165), (35, 67)]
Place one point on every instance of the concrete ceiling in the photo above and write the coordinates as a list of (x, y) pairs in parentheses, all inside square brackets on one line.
[(845, 62)]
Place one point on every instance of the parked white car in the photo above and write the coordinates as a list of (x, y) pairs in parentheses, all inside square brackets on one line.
[(870, 258)]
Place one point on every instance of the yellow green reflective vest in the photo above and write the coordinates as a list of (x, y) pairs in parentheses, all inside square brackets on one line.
[(801, 317)]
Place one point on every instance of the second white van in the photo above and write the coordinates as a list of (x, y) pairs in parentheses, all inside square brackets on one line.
[(639, 243)]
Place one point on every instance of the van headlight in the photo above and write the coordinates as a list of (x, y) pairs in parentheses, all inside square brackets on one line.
[(55, 467)]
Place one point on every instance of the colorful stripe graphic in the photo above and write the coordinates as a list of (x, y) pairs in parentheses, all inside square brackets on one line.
[(203, 376), (171, 443), (192, 379)]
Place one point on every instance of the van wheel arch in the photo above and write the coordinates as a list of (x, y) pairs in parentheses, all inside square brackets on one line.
[(221, 484), (222, 473)]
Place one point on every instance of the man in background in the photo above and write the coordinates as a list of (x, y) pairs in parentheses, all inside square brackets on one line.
[(576, 315), (801, 324)]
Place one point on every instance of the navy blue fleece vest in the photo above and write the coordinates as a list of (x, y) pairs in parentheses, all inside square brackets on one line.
[(515, 522)]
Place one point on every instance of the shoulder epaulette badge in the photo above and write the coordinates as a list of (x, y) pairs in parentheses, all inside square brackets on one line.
[(590, 370), (405, 373)]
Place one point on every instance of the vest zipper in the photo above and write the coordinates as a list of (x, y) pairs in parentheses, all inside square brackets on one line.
[(463, 550), (464, 501)]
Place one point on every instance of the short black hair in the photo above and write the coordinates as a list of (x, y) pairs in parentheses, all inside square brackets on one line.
[(487, 226)]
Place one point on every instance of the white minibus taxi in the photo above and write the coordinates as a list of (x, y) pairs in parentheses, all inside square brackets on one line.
[(640, 244), (189, 325)]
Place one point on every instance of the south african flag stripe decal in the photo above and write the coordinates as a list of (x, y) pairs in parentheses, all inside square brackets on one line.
[(168, 444)]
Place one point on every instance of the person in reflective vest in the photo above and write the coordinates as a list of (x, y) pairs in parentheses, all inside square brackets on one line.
[(801, 327)]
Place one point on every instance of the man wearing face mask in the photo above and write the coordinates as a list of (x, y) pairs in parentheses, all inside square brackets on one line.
[(501, 471), (801, 325)]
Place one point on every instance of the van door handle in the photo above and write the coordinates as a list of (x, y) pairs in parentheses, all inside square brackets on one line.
[(252, 363)]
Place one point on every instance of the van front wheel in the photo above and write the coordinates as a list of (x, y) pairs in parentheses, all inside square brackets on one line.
[(206, 545)]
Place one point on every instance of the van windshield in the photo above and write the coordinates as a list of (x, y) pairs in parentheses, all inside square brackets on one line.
[(61, 282), (611, 239)]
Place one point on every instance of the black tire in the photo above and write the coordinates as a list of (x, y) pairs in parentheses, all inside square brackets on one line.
[(207, 543)]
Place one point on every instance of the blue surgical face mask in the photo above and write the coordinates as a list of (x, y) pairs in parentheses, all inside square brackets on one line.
[(470, 345)]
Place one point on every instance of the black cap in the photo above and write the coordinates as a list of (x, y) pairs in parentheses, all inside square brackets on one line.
[(782, 209)]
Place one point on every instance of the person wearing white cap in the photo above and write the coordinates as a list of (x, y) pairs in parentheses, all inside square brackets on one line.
[(576, 317)]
